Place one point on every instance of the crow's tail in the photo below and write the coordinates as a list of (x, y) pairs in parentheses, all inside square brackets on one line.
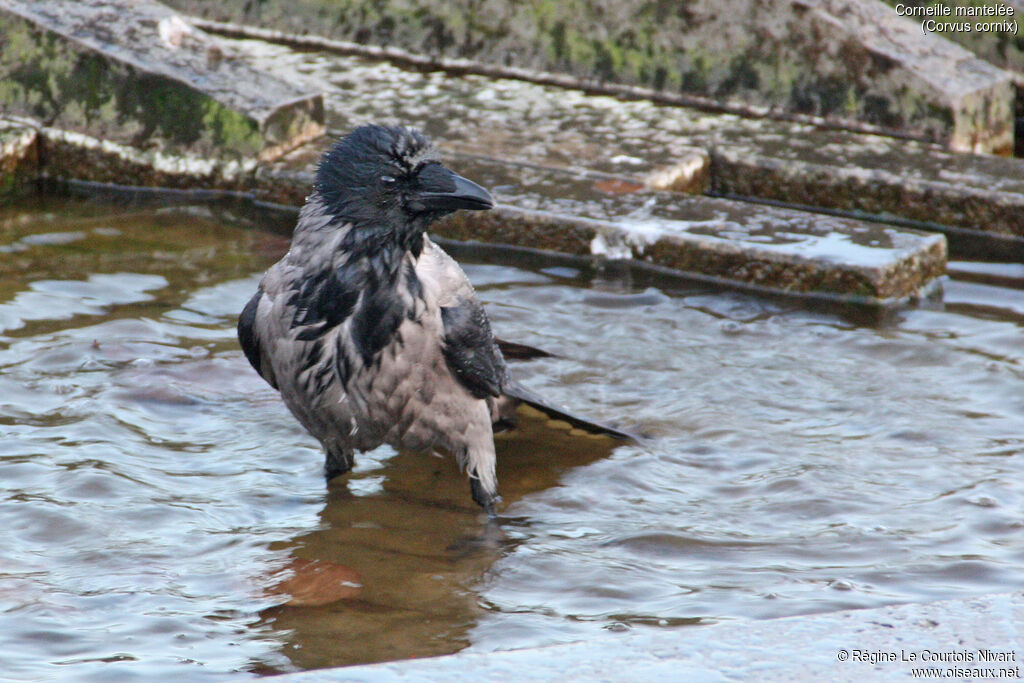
[(517, 391), (517, 351)]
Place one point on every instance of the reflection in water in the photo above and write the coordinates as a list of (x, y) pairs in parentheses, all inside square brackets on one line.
[(164, 517), (311, 583), (404, 529)]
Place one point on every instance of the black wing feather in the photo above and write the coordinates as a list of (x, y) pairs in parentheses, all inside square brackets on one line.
[(248, 339), (324, 301), (469, 348)]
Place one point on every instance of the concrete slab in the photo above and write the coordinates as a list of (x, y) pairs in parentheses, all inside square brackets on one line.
[(977, 196), (70, 154), (844, 62), (134, 73), (924, 85), (598, 204), (980, 638), (736, 243)]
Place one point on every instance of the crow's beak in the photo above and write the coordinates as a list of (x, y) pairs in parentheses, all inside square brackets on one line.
[(464, 195)]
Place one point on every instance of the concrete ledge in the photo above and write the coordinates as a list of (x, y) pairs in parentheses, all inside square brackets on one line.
[(750, 245), (785, 252), (979, 638), (602, 206), (887, 178), (132, 72), (802, 165), (996, 42), (905, 79), (70, 154)]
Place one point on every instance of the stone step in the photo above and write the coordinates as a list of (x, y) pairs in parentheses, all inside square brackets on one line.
[(134, 73), (573, 172), (977, 200), (585, 214), (740, 244), (977, 197)]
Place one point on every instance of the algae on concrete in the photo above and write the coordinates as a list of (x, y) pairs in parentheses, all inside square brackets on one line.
[(136, 74), (640, 142), (603, 212), (18, 158), (852, 61)]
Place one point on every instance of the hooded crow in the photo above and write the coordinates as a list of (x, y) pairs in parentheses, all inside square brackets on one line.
[(370, 331)]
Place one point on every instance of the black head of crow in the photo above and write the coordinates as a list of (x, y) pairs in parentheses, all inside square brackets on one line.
[(371, 332), (390, 181)]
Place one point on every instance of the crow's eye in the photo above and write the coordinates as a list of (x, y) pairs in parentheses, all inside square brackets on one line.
[(387, 180)]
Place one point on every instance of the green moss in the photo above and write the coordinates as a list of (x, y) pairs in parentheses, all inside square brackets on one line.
[(695, 79), (231, 129), (558, 49), (741, 76), (668, 45), (27, 61), (850, 104), (8, 183), (47, 77)]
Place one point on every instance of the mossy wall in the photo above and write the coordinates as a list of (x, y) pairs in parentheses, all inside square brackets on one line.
[(688, 46), (62, 84), (776, 54)]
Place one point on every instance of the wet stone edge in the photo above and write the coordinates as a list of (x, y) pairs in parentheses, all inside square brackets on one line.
[(75, 156)]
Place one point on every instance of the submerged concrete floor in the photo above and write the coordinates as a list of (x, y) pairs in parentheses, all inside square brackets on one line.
[(976, 639)]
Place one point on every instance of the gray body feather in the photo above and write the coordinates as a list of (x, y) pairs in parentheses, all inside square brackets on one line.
[(370, 331), (405, 394)]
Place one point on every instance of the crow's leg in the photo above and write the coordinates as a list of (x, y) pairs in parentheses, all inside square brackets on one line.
[(339, 461), (478, 460), (483, 498)]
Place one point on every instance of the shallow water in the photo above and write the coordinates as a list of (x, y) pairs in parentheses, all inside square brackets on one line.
[(165, 517)]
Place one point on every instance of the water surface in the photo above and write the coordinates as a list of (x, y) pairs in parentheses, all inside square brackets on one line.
[(164, 516)]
